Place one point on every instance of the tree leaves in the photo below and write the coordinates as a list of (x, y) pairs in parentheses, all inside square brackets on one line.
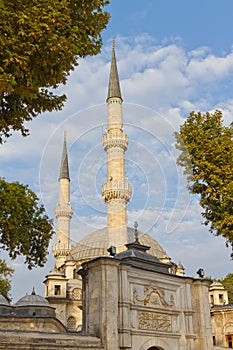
[(40, 43), (24, 227), (206, 147), (5, 273)]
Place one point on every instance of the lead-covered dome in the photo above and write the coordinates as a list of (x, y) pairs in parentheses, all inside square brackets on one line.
[(96, 244), (32, 300)]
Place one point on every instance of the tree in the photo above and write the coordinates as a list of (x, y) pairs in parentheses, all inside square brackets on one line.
[(40, 43), (5, 273), (206, 146), (25, 229)]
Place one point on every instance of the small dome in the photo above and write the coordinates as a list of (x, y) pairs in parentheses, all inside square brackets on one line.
[(3, 300), (56, 272), (216, 285), (96, 244), (32, 300), (180, 266)]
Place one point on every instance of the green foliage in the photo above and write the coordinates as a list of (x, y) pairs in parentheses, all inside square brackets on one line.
[(228, 284), (5, 274), (40, 43), (24, 227), (206, 147)]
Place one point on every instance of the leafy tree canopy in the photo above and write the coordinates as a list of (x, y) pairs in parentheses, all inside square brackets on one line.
[(25, 229), (40, 42), (5, 274), (206, 146)]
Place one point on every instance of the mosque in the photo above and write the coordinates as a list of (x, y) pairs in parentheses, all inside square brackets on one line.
[(116, 288)]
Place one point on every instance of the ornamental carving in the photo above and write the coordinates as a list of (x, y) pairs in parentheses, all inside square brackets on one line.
[(153, 296), (77, 294), (63, 210), (61, 249), (116, 139), (116, 190), (152, 321)]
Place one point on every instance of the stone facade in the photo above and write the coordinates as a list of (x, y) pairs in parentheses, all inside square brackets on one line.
[(138, 305)]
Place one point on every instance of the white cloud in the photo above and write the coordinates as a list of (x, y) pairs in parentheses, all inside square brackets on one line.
[(211, 68)]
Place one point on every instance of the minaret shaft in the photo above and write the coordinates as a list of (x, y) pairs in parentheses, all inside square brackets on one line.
[(63, 212), (116, 191)]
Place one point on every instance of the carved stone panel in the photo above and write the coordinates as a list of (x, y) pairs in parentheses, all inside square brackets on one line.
[(77, 294), (153, 321), (152, 296)]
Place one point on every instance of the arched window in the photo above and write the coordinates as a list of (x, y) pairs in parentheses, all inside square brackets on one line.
[(71, 324)]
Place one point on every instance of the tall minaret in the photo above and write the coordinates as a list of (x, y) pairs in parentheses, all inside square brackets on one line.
[(63, 212), (117, 191)]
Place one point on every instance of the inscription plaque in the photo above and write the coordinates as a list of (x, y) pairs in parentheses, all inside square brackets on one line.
[(153, 321)]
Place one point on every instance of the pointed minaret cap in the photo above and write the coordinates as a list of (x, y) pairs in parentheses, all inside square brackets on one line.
[(114, 85), (64, 171)]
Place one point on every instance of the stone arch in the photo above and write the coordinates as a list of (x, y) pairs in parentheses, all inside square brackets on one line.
[(228, 327), (155, 344)]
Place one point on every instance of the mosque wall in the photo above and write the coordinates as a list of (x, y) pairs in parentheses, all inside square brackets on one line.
[(222, 322)]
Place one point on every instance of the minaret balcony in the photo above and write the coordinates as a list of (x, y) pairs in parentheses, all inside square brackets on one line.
[(61, 249), (115, 139), (63, 210), (116, 190)]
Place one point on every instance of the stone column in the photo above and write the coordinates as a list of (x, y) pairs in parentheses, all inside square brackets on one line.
[(101, 300), (201, 318)]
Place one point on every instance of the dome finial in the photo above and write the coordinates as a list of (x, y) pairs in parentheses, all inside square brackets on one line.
[(33, 291)]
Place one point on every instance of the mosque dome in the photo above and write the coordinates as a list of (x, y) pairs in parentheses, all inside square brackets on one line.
[(96, 244), (32, 300)]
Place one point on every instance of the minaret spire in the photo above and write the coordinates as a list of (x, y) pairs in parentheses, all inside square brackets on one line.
[(64, 171), (117, 191), (114, 85), (63, 212)]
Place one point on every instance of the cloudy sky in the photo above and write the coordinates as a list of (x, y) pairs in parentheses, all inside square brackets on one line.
[(173, 57)]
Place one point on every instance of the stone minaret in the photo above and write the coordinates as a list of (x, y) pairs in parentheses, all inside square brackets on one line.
[(117, 191), (63, 212)]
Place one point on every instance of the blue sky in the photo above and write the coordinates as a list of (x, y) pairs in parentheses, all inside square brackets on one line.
[(195, 23), (173, 57)]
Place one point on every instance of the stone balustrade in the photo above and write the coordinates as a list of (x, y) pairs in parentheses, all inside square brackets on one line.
[(115, 139), (116, 190), (61, 249), (64, 210)]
